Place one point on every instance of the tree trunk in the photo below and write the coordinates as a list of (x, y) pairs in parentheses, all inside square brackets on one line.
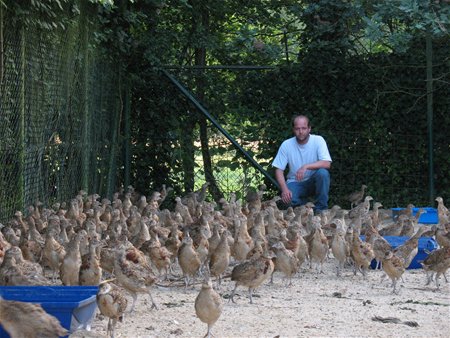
[(200, 60)]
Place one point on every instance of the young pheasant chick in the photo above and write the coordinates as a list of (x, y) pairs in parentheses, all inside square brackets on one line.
[(437, 262), (112, 304), (21, 319), (394, 267), (251, 273), (208, 305)]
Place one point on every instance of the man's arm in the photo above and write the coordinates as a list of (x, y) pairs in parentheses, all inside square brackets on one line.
[(311, 166), (286, 194)]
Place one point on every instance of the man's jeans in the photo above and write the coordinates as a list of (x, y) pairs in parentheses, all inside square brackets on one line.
[(318, 185)]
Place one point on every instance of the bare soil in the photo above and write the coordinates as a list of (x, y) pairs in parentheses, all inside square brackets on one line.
[(316, 305)]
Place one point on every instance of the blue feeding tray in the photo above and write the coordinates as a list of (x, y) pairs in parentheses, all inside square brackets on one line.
[(73, 306), (430, 215), (426, 245)]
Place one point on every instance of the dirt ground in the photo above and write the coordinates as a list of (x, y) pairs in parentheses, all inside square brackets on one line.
[(316, 305)]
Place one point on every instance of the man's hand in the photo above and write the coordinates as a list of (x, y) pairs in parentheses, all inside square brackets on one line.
[(286, 196), (300, 174)]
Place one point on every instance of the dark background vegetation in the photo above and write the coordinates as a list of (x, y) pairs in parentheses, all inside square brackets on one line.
[(357, 68)]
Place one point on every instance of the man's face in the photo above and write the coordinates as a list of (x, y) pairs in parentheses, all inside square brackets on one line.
[(301, 130)]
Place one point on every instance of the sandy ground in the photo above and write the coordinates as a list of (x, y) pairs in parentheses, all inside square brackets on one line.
[(316, 305)]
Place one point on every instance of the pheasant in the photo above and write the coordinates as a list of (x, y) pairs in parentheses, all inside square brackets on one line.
[(22, 319), (90, 269), (112, 303), (442, 236), (188, 259), (379, 244), (362, 254), (208, 305), (356, 197), (133, 277), (317, 246), (286, 262), (70, 266), (437, 261), (339, 246), (394, 267), (53, 252), (253, 198), (16, 271), (394, 229), (243, 242), (362, 208), (252, 273), (408, 250), (159, 255), (220, 258), (442, 210)]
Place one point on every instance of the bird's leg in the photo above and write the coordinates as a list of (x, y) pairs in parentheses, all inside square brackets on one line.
[(154, 306), (108, 328), (290, 281), (445, 277), (394, 283), (113, 327), (208, 333), (186, 282), (364, 273), (232, 294), (134, 296), (429, 278), (193, 281), (438, 275), (271, 277), (217, 283), (250, 291)]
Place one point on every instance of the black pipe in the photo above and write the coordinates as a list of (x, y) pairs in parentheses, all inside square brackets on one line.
[(218, 126)]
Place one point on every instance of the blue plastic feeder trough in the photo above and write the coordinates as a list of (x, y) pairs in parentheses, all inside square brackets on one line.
[(73, 306), (426, 245), (430, 215)]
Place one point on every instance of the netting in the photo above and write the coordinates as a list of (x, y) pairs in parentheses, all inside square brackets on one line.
[(59, 107)]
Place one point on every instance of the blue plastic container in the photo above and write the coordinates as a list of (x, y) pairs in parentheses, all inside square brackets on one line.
[(428, 217), (426, 245), (73, 306)]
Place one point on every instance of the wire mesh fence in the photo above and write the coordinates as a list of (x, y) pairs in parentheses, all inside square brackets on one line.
[(58, 106), (62, 115)]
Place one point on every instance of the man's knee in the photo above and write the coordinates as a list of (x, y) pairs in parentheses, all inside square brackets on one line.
[(323, 174)]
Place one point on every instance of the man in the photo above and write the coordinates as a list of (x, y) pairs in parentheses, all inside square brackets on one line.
[(309, 160)]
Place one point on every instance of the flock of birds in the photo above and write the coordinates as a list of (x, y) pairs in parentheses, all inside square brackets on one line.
[(128, 245)]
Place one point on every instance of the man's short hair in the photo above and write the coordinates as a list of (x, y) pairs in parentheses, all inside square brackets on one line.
[(302, 117)]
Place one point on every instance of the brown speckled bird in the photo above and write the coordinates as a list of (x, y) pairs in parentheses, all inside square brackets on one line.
[(90, 269), (339, 246), (112, 304), (220, 258), (286, 262), (357, 196), (362, 254), (133, 277), (317, 245), (251, 273), (188, 259), (28, 320), (394, 267), (208, 305), (437, 261)]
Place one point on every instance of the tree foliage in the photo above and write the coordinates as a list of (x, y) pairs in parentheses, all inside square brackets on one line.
[(356, 67)]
